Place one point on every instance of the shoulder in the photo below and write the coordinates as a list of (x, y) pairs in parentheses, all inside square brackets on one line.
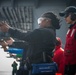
[(45, 29), (75, 26)]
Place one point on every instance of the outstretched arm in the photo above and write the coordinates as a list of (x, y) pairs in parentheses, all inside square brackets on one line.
[(16, 33)]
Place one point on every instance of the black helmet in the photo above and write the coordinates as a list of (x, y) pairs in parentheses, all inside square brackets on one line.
[(54, 19), (70, 9)]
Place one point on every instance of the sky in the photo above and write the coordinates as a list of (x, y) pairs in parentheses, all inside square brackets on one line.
[(5, 63)]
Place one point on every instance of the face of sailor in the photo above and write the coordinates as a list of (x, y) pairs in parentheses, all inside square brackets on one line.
[(68, 19)]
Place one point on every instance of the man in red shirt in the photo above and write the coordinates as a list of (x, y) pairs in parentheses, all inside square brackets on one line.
[(70, 46), (59, 56)]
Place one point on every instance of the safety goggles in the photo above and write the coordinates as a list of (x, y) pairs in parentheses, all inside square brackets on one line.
[(41, 19)]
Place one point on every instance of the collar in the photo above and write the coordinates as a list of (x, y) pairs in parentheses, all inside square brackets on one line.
[(72, 25), (57, 47)]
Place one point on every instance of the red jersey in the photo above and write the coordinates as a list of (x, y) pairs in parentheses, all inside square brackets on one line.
[(70, 46)]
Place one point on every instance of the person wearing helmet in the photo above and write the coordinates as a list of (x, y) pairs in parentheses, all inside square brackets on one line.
[(59, 56), (70, 47), (40, 40)]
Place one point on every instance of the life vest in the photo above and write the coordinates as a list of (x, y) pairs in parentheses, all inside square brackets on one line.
[(70, 46), (59, 59)]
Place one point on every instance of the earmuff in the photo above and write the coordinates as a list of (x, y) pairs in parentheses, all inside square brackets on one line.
[(73, 16)]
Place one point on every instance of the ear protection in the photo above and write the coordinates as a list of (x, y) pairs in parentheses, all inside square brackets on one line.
[(73, 16)]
